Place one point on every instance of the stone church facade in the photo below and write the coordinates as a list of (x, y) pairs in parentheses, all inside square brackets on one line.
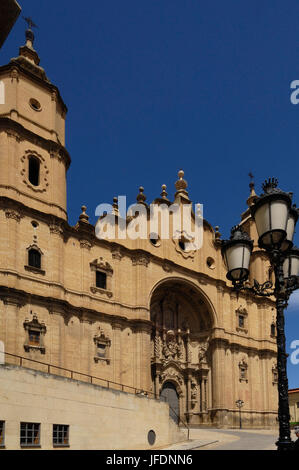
[(145, 313)]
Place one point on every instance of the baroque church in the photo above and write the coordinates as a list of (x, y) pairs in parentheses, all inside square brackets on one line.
[(146, 313)]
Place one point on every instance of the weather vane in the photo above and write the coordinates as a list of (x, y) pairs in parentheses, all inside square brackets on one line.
[(30, 22)]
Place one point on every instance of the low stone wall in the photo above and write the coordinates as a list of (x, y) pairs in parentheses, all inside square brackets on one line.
[(249, 419), (98, 418)]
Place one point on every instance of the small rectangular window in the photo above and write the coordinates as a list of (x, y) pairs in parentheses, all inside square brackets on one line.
[(297, 404), (242, 373), (34, 259), (101, 350), (101, 280), (34, 338), (60, 435), (241, 321), (30, 434), (2, 433)]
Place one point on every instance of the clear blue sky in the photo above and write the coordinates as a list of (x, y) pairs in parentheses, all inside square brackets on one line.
[(153, 86)]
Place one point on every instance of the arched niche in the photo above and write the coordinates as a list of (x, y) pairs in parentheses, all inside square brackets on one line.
[(176, 303)]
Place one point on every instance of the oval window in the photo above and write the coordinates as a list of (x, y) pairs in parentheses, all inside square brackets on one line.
[(154, 239), (210, 263), (35, 104), (182, 245), (151, 437)]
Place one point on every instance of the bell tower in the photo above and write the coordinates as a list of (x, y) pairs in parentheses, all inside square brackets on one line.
[(33, 158)]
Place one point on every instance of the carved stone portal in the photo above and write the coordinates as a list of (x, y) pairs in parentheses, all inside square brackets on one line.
[(180, 343)]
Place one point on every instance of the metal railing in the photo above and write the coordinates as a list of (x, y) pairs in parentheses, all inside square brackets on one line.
[(91, 379)]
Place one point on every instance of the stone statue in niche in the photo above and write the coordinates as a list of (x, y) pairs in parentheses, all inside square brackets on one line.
[(193, 393), (202, 353), (171, 349)]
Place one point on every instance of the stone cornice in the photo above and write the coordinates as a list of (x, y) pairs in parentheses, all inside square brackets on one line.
[(9, 125), (227, 339), (9, 295), (33, 77)]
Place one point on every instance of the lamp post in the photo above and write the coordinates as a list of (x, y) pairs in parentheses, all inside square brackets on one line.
[(275, 220), (239, 404)]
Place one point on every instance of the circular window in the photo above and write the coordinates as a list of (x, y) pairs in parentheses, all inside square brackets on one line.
[(210, 263), (35, 104), (34, 224), (151, 437), (182, 245), (154, 239)]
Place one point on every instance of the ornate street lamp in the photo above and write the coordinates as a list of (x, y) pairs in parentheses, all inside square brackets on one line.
[(275, 219), (271, 214), (291, 264), (292, 220), (239, 404), (236, 252)]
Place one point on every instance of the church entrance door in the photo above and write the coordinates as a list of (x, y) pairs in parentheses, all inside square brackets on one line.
[(170, 395)]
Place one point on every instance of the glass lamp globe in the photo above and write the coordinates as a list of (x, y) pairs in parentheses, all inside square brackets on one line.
[(236, 253), (271, 214)]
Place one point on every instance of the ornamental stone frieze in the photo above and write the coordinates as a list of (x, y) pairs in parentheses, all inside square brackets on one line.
[(14, 135), (117, 252), (85, 244), (56, 229), (171, 374), (99, 290), (140, 259), (13, 214), (14, 298)]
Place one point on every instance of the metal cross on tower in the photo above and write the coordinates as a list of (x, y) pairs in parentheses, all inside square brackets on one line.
[(30, 22)]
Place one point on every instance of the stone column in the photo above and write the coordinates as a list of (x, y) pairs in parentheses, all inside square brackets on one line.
[(218, 371), (145, 333), (13, 340), (188, 396), (87, 346), (85, 247), (117, 328), (16, 260), (200, 395), (140, 261), (117, 256), (55, 271), (205, 394)]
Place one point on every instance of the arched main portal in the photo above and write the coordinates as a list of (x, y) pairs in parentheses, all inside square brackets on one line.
[(182, 322)]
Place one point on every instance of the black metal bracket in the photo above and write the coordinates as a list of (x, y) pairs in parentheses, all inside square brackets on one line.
[(257, 288)]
